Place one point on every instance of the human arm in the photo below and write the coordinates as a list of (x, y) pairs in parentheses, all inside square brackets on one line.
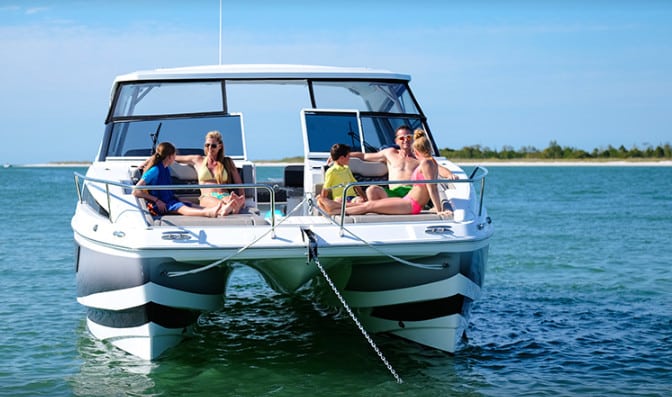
[(145, 194), (237, 180), (360, 192), (431, 170), (446, 173), (380, 156), (329, 181), (192, 159)]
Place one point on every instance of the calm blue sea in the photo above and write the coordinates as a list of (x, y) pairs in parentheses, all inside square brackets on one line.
[(577, 302)]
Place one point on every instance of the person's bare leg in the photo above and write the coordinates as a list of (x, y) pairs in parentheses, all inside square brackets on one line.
[(238, 202), (387, 206), (210, 212), (375, 192), (208, 201), (226, 208), (329, 206)]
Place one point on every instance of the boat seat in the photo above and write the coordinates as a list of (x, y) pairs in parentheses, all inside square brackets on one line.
[(185, 174), (229, 220), (362, 170), (424, 216)]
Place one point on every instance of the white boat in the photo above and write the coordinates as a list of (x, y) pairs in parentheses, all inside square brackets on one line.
[(145, 280)]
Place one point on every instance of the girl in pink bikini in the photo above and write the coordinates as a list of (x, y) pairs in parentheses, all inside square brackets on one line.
[(414, 201)]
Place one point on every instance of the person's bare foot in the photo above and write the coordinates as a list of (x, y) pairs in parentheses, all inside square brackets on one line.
[(225, 209), (213, 211), (237, 201)]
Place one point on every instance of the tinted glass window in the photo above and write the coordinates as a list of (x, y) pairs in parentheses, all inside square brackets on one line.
[(168, 98), (326, 128), (188, 135), (365, 96)]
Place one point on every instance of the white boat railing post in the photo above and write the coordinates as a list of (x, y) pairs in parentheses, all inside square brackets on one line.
[(109, 202), (79, 193)]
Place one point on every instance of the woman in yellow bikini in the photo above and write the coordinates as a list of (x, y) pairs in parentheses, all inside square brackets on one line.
[(215, 168)]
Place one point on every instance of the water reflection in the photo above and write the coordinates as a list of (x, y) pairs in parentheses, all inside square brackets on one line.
[(267, 344), (108, 371)]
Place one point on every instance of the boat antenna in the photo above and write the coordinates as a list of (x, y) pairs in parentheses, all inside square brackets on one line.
[(155, 137), (220, 32)]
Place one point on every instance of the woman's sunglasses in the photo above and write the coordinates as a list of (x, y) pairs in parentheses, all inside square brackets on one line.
[(213, 145)]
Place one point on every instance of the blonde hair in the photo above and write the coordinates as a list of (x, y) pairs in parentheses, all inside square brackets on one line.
[(222, 160), (421, 143)]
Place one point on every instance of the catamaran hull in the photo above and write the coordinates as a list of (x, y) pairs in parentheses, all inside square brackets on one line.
[(135, 302), (427, 306)]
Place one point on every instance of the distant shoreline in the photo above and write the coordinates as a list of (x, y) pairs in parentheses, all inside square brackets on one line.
[(487, 163), (566, 163), (52, 165)]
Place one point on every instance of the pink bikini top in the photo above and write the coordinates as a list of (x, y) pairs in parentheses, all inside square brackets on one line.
[(417, 175)]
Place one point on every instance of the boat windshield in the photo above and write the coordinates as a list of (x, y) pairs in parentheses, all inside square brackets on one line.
[(363, 133), (365, 96), (362, 113), (162, 98)]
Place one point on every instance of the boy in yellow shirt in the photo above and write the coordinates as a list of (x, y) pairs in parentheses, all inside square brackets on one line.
[(339, 175)]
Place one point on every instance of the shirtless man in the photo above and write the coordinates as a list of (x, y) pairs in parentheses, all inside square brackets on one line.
[(400, 165)]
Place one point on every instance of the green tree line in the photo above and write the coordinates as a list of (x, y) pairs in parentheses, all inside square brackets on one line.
[(556, 152)]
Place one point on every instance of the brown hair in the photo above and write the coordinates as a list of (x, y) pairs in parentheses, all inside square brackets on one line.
[(338, 150), (163, 151)]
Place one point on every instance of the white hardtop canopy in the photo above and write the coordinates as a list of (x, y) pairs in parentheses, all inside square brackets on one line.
[(261, 71)]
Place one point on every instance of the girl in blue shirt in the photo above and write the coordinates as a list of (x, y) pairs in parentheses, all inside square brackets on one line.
[(164, 200)]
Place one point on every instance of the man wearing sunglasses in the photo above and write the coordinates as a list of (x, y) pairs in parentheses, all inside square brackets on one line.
[(400, 165)]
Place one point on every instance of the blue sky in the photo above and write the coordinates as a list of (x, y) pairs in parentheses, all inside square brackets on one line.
[(586, 74)]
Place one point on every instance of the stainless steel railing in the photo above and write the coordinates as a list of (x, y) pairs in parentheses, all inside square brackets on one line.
[(107, 183), (477, 175)]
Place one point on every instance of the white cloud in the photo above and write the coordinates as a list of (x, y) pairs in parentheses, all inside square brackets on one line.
[(9, 8), (36, 10)]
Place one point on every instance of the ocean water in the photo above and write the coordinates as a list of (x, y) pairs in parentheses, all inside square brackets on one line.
[(577, 301)]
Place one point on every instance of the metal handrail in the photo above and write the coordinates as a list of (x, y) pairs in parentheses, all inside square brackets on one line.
[(483, 172), (471, 179), (107, 184)]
